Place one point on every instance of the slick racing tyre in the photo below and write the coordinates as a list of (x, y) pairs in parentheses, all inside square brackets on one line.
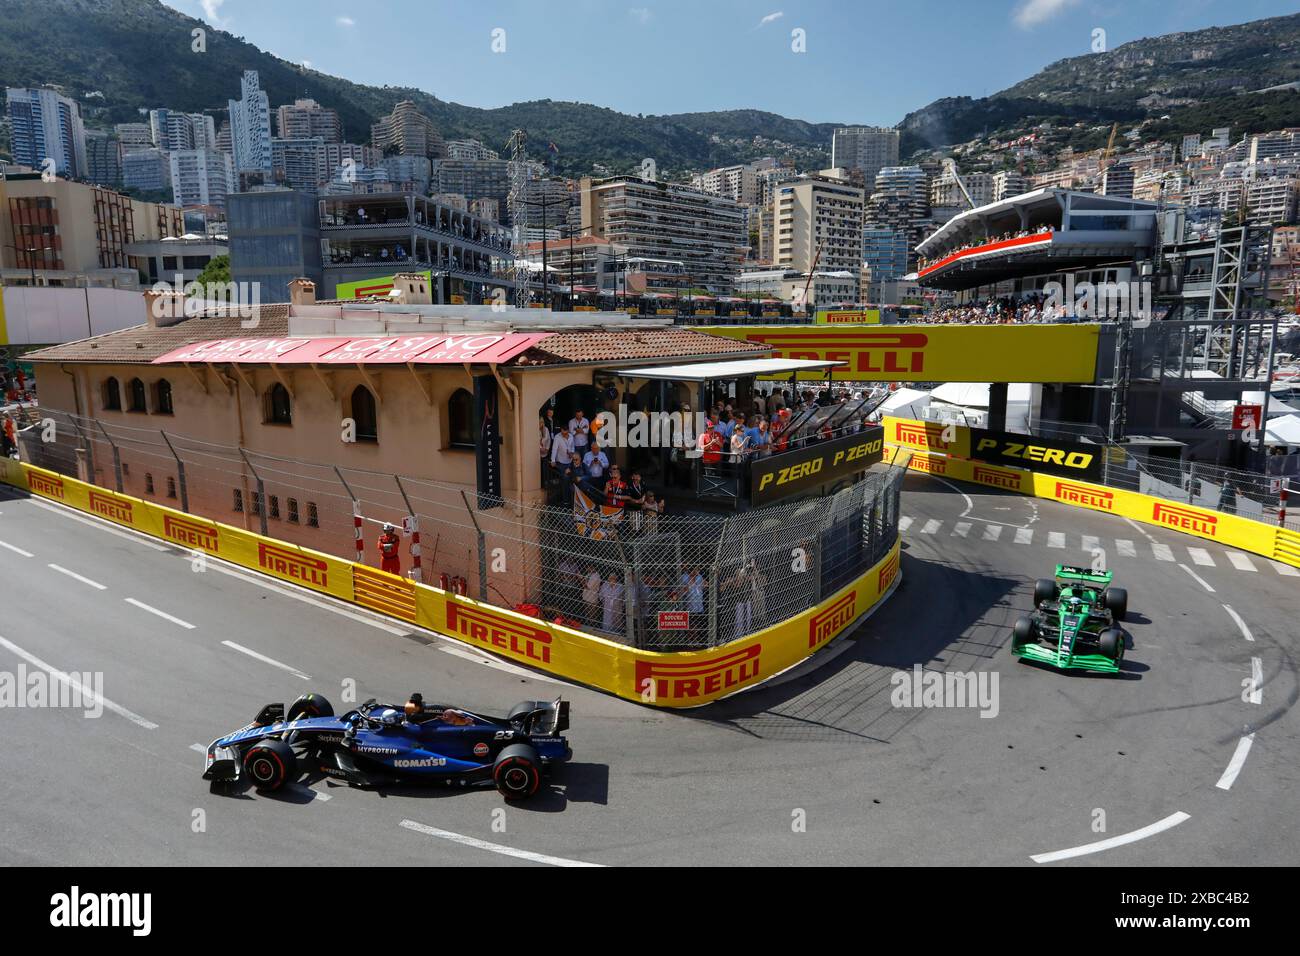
[(310, 705), (1045, 589), (1111, 644), (270, 764), (517, 772), (1116, 601), (1022, 633)]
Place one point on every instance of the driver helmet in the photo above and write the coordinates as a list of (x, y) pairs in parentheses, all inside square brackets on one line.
[(388, 527), (389, 715)]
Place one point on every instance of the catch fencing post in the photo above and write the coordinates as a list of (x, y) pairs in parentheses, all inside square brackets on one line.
[(417, 571), (86, 449), (1284, 486), (117, 455), (357, 518), (261, 494), (482, 550), (180, 473)]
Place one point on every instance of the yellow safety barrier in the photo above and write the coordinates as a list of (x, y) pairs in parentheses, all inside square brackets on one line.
[(662, 679), (1234, 531)]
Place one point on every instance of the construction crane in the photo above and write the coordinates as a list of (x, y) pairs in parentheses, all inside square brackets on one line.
[(817, 255), (514, 203), (1110, 148)]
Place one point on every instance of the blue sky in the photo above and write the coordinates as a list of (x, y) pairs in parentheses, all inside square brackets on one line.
[(865, 62)]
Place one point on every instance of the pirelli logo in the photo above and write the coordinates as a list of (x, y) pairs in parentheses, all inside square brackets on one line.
[(1185, 519), (45, 485), (901, 352), (500, 633), (931, 464), (294, 565), (920, 435), (888, 572), (192, 534), (697, 680), (1074, 494), (826, 623), (111, 507), (997, 477)]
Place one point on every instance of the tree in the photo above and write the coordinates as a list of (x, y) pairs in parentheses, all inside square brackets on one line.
[(214, 280)]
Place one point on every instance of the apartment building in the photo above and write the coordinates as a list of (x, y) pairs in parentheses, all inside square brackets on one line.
[(299, 163), (250, 127), (469, 149), (44, 125), (740, 183), (655, 220), (947, 191), (473, 179), (307, 119), (408, 132), (817, 226), (868, 149), (900, 202), (201, 177), (134, 136), (147, 170), (103, 158), (1008, 183), (170, 130)]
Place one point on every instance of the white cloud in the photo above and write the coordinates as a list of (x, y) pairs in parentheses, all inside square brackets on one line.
[(212, 11), (771, 17), (1031, 13), (306, 64), (641, 15), (346, 22)]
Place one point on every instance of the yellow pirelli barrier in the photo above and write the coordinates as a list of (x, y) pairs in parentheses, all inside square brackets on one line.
[(662, 679), (943, 460)]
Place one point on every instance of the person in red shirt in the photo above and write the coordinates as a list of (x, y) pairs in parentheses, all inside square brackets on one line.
[(711, 444), (616, 492), (389, 556)]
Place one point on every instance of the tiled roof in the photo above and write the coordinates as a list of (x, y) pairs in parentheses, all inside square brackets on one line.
[(631, 344)]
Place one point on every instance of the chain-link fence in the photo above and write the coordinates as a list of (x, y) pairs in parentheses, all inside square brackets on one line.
[(642, 577)]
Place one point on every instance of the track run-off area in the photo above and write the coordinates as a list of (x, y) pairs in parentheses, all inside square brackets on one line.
[(1189, 757)]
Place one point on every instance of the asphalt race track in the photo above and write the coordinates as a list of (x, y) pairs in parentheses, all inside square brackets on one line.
[(1189, 765)]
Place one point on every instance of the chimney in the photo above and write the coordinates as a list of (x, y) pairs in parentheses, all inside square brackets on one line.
[(414, 288), (302, 292), (163, 307)]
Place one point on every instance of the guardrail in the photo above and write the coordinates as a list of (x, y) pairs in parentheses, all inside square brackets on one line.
[(660, 679)]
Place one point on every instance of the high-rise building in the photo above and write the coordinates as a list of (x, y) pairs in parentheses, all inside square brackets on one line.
[(544, 204), (134, 136), (1008, 183), (250, 127), (201, 177), (817, 225), (469, 149), (299, 163), (1118, 180), (884, 252), (868, 149), (946, 188), (103, 158), (408, 132), (307, 119), (740, 183), (900, 202), (658, 220), (336, 154), (147, 170), (43, 125), (473, 179), (274, 239), (170, 130)]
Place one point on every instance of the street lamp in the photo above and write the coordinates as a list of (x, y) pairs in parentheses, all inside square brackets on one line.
[(31, 261)]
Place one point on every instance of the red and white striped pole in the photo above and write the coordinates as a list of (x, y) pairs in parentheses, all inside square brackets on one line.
[(356, 525), (1283, 486), (416, 572)]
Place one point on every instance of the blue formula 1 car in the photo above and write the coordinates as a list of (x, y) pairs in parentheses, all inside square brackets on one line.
[(385, 744)]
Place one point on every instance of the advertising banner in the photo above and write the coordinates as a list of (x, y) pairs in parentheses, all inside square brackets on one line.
[(1048, 455), (487, 456), (847, 317), (792, 472)]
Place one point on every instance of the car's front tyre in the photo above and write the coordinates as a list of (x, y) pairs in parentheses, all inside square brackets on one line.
[(1116, 600), (270, 764), (1111, 644), (1023, 633), (1045, 589)]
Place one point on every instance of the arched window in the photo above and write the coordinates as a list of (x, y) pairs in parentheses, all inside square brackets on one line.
[(363, 414), (460, 419), (112, 395), (162, 397), (278, 411), (135, 400)]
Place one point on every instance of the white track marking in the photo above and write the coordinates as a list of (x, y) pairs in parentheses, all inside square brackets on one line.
[(1240, 561), (82, 689), (1199, 580), (16, 550), (1161, 551), (78, 577), (492, 847), (1236, 763), (1245, 631), (1091, 543), (162, 614), (1158, 827), (1024, 535), (1125, 548), (1141, 530), (199, 748), (306, 791), (1055, 539), (1285, 569), (992, 532), (266, 660), (960, 529), (1256, 680), (138, 537), (469, 654), (931, 526), (904, 523), (970, 505), (1201, 557)]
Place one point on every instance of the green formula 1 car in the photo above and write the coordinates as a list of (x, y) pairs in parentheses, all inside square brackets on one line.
[(1075, 623)]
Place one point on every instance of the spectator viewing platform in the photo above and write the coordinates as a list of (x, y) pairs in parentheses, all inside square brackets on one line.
[(1045, 230)]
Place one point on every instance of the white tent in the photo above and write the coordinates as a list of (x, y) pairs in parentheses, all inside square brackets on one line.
[(906, 403), (1283, 431), (976, 394)]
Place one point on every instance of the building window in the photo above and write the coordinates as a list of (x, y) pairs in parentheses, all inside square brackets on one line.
[(293, 510), (274, 502), (313, 519), (460, 419), (257, 503), (148, 483), (162, 397), (363, 414), (171, 487), (278, 410), (135, 400), (112, 395), (239, 500)]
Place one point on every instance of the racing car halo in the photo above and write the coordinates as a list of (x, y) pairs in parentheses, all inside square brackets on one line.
[(1075, 622), (383, 744)]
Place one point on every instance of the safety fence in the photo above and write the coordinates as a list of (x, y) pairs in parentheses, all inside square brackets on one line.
[(945, 450), (643, 578), (665, 679)]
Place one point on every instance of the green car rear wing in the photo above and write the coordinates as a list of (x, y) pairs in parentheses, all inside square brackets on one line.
[(1066, 572)]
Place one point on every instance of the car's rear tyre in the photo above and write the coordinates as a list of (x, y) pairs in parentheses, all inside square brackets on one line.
[(1022, 633), (1111, 644), (270, 764), (517, 772), (310, 705), (1045, 589), (1117, 602)]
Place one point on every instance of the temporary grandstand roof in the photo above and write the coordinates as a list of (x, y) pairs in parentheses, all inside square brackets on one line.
[(739, 368), (1283, 431), (976, 394)]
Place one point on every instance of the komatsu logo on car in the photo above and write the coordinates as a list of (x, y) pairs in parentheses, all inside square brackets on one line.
[(1185, 519), (293, 565), (827, 623), (421, 762), (997, 478), (111, 507), (46, 486), (698, 678), (1083, 495), (191, 533), (503, 633)]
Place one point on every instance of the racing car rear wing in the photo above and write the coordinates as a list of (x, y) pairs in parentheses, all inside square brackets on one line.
[(1068, 572)]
